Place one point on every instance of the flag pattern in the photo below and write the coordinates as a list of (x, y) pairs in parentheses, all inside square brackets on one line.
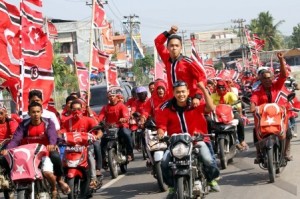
[(82, 75)]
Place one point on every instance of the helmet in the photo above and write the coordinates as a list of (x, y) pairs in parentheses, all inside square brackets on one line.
[(141, 89)]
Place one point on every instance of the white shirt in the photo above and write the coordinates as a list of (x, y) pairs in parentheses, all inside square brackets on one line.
[(48, 114)]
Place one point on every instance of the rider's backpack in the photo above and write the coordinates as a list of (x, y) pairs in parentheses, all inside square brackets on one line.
[(270, 118), (223, 114)]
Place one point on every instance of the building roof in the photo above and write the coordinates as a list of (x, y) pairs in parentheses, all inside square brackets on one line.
[(292, 53)]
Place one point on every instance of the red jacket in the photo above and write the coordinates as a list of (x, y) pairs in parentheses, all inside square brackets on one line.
[(169, 118), (183, 68), (138, 106), (83, 124), (113, 113), (155, 100), (8, 128)]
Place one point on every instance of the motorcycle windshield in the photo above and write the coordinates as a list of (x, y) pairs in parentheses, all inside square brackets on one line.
[(182, 137)]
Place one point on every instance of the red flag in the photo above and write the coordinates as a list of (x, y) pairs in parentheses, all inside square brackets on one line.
[(228, 75), (209, 62), (210, 72), (99, 59), (99, 15), (34, 42), (112, 75), (37, 78), (31, 17), (36, 2), (12, 85), (52, 30), (83, 76), (9, 16), (259, 43), (159, 68), (108, 43)]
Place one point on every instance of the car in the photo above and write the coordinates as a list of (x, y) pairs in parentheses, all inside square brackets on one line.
[(99, 95)]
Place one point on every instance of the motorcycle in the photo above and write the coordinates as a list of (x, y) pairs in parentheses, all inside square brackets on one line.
[(155, 150), (6, 185), (271, 123), (75, 162), (26, 175), (224, 127), (115, 150), (187, 167)]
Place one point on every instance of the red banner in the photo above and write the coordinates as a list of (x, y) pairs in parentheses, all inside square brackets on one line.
[(99, 15), (52, 30), (36, 2), (99, 60), (228, 75), (108, 43), (112, 76), (210, 72), (82, 75)]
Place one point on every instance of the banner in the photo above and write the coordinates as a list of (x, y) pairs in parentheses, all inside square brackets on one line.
[(159, 67), (82, 75), (112, 76), (99, 15)]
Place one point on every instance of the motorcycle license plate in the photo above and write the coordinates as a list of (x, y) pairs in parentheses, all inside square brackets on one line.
[(74, 148)]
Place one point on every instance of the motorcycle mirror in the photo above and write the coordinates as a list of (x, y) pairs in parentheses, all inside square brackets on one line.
[(291, 96)]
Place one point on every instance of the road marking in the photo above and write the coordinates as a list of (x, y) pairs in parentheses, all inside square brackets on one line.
[(110, 183)]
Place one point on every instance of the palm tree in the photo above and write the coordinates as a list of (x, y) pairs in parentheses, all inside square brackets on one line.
[(264, 28)]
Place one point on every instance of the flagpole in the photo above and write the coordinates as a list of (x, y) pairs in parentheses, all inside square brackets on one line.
[(91, 53), (20, 99)]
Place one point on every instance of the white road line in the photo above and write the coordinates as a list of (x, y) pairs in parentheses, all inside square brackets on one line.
[(110, 183)]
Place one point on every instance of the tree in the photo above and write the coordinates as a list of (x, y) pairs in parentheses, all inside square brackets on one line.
[(140, 67), (296, 37), (264, 28)]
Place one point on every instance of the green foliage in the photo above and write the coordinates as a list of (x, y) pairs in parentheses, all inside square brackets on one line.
[(64, 76), (218, 66), (139, 68), (296, 37), (264, 27)]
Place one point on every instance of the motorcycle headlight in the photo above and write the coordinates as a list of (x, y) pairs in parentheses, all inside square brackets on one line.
[(180, 150)]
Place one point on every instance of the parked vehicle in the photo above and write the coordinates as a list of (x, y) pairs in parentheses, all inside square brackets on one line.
[(187, 167), (115, 150), (99, 95), (155, 150), (26, 175)]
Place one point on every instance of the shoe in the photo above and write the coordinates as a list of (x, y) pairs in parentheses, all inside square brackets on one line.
[(171, 194), (289, 158), (214, 186), (129, 158), (94, 184)]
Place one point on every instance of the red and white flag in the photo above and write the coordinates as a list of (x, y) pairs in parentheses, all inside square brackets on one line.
[(108, 43), (82, 75), (37, 78), (53, 34), (112, 76), (31, 17), (99, 59), (12, 85), (228, 75), (9, 40), (159, 68), (99, 15), (210, 72), (38, 3)]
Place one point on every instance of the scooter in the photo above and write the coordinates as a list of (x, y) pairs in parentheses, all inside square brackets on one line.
[(155, 150)]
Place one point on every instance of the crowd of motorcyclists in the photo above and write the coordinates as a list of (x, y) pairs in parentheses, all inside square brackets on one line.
[(182, 104)]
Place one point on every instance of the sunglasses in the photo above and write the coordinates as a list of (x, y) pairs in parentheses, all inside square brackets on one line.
[(76, 109), (179, 83), (221, 88), (2, 113)]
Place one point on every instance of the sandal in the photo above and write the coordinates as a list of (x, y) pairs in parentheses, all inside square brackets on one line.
[(129, 158), (54, 194), (94, 184), (65, 189)]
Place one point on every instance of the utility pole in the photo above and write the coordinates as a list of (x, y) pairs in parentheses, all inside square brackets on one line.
[(183, 43), (131, 21), (241, 34)]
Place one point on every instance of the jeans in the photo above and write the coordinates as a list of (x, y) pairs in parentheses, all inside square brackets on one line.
[(94, 153), (57, 164), (91, 161), (211, 170), (240, 127)]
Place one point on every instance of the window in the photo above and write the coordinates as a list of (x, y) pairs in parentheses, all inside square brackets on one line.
[(65, 48)]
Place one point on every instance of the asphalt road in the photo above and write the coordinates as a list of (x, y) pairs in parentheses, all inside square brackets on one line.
[(242, 179)]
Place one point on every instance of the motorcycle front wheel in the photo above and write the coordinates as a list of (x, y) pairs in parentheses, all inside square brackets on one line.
[(162, 186), (271, 166), (223, 159), (112, 163), (182, 189)]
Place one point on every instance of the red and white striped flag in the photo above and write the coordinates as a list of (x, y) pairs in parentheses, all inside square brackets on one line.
[(197, 58), (99, 15), (38, 3), (82, 75)]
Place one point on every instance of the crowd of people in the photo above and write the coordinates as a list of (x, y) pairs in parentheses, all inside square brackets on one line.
[(181, 104)]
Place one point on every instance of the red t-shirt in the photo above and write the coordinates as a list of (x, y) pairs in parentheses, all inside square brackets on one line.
[(36, 134), (84, 124), (7, 129), (190, 120), (113, 113), (260, 97), (65, 116), (138, 106)]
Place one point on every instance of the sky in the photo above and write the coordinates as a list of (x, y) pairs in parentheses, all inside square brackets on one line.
[(156, 16)]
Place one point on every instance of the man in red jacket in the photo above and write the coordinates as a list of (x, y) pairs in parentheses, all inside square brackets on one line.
[(178, 116), (116, 113), (179, 67)]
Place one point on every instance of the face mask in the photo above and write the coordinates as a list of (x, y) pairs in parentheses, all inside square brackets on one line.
[(77, 113)]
